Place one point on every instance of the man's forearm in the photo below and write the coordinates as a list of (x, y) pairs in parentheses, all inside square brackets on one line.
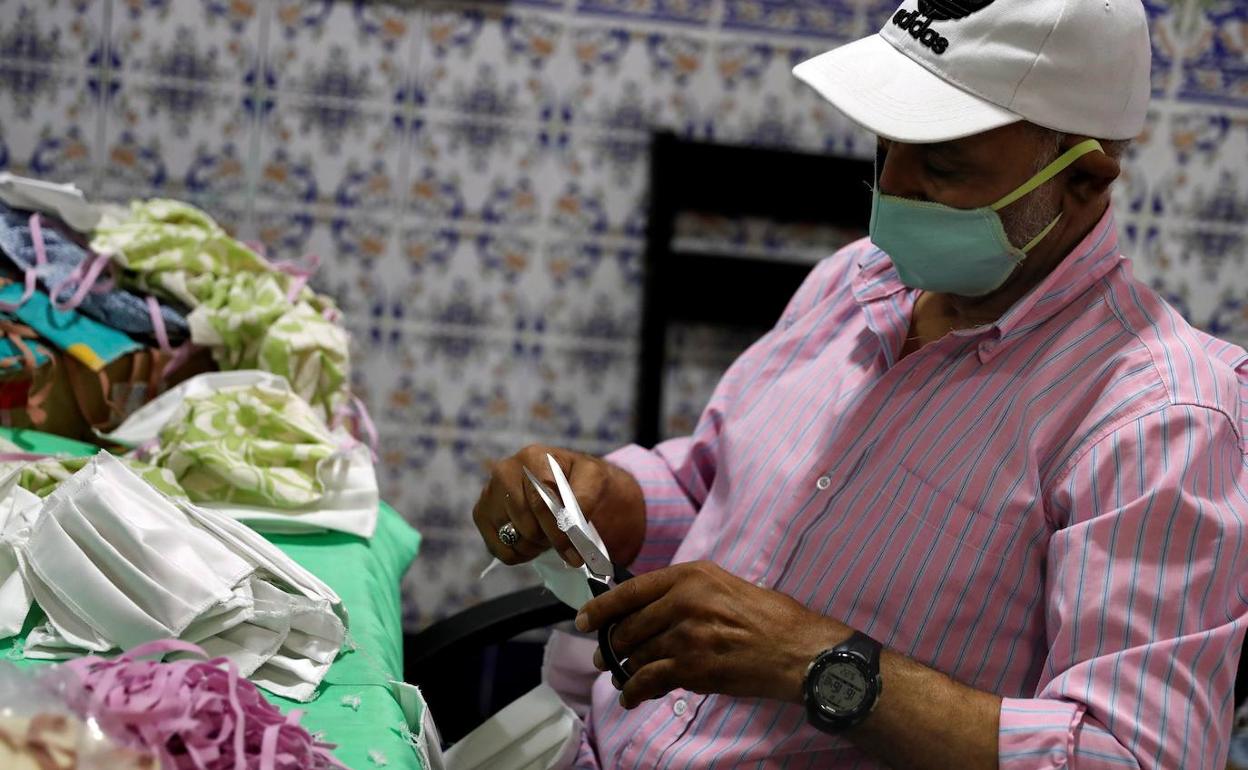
[(924, 719)]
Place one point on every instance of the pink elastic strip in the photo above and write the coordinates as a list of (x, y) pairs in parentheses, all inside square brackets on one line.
[(219, 720), (354, 408), (366, 424), (22, 457), (83, 279), (41, 259), (180, 354), (158, 324), (301, 273)]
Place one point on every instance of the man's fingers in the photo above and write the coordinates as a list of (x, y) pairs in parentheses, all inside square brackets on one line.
[(653, 680), (643, 626), (499, 506), (626, 598)]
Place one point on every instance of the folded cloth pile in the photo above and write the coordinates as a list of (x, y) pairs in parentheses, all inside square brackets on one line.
[(245, 444), (114, 563), (62, 268), (251, 314), (145, 296)]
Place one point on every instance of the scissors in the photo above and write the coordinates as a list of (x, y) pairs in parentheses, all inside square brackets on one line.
[(585, 539)]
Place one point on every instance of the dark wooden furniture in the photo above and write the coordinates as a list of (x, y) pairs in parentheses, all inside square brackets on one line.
[(727, 289)]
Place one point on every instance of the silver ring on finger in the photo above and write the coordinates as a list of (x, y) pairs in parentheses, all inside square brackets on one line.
[(507, 535)]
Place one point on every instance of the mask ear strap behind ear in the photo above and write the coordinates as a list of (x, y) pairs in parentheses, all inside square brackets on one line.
[(1050, 171)]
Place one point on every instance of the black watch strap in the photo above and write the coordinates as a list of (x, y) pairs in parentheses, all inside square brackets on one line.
[(865, 646)]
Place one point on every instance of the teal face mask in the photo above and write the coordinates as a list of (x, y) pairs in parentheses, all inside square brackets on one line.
[(957, 251)]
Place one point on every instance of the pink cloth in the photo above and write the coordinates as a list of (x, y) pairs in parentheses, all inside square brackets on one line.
[(193, 713), (1051, 508)]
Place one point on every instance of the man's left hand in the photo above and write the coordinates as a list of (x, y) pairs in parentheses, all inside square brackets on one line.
[(697, 627)]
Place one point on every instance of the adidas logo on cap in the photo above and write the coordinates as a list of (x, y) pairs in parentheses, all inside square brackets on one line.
[(938, 10)]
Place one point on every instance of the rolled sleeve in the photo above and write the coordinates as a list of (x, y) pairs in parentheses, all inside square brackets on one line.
[(1145, 609), (670, 504)]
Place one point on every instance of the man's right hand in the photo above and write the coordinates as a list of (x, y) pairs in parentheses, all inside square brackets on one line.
[(608, 495)]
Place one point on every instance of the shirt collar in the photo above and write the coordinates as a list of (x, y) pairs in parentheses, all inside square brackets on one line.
[(1086, 264)]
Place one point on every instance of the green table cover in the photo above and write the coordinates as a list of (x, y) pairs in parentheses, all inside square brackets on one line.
[(366, 574)]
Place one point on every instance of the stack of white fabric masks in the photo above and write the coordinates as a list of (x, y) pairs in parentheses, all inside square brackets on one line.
[(114, 563)]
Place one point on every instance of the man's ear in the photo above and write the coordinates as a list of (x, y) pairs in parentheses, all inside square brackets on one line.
[(1091, 175)]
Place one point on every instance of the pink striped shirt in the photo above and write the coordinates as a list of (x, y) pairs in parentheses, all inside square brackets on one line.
[(1051, 508)]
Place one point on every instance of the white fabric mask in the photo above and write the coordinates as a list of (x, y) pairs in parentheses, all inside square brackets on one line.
[(17, 509), (64, 200), (114, 563), (351, 496), (569, 584), (535, 732)]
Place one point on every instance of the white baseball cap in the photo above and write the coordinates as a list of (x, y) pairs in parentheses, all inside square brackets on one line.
[(945, 69)]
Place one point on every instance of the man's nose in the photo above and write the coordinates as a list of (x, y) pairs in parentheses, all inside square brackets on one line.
[(900, 170)]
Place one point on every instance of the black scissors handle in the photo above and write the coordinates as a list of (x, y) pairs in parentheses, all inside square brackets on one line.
[(598, 588)]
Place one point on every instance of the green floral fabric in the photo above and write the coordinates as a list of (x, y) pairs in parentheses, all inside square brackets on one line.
[(251, 445), (43, 476), (241, 305)]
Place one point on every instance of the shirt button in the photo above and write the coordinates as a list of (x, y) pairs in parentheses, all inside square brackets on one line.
[(823, 483), (680, 707)]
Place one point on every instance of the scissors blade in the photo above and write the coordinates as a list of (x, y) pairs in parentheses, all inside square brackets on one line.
[(580, 531), (541, 491), (596, 559), (572, 508)]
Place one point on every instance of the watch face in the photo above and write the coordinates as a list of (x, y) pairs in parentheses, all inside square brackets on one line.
[(841, 687)]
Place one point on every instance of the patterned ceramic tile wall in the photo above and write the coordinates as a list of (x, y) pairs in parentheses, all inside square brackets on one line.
[(474, 177)]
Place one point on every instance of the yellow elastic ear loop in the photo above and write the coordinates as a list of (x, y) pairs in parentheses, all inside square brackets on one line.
[(1048, 172)]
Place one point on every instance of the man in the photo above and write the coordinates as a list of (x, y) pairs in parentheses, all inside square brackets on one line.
[(979, 499)]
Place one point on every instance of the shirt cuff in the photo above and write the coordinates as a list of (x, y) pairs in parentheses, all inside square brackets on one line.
[(1037, 734), (669, 511)]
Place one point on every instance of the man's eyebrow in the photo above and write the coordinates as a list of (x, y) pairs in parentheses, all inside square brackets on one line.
[(947, 150)]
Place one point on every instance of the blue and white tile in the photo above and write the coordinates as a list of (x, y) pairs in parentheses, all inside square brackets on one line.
[(587, 289), (636, 80), (760, 102), (1215, 67), (474, 281), (1191, 266), (1169, 33), (423, 470), (336, 50), (694, 12), (329, 153), (205, 43), (164, 138), (480, 172), (830, 21), (583, 396), (1203, 187), (597, 187), (52, 33), (422, 390), (1148, 167), (1230, 318), (58, 137), (877, 13), (491, 63)]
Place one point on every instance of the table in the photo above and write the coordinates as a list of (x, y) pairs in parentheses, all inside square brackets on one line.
[(366, 574)]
